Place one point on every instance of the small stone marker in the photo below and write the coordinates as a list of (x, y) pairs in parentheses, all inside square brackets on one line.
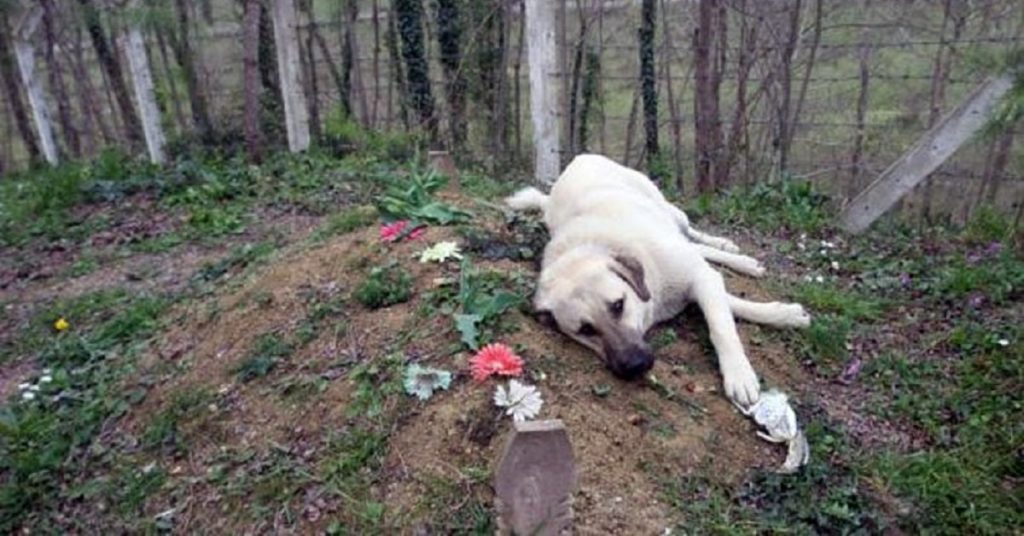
[(535, 480)]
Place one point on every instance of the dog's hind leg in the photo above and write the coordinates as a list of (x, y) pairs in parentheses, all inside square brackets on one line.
[(778, 314), (699, 237), (740, 263)]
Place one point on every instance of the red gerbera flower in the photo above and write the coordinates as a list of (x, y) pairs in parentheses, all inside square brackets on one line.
[(390, 232), (495, 359)]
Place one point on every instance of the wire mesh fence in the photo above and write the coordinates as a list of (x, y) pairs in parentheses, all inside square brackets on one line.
[(829, 91)]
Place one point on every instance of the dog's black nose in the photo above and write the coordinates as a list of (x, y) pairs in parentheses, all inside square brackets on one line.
[(633, 364)]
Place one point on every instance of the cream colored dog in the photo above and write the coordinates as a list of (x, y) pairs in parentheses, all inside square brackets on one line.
[(622, 258)]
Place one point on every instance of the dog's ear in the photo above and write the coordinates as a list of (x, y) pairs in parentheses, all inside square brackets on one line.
[(632, 272)]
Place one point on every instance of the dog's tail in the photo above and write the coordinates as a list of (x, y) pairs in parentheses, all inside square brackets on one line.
[(528, 198)]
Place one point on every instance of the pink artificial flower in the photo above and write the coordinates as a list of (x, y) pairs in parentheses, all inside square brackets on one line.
[(390, 232), (495, 359)]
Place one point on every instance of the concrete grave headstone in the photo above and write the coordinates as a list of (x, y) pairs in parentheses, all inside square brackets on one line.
[(535, 480)]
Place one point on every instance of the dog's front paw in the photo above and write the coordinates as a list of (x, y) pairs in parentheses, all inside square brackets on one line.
[(794, 315), (741, 384)]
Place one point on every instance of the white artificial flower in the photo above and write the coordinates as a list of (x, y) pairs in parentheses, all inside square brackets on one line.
[(46, 379), (835, 265), (441, 252), (24, 386), (47, 371), (1003, 342), (33, 387), (523, 401), (28, 395), (819, 279)]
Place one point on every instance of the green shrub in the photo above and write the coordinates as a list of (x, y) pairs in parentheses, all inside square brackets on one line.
[(385, 286)]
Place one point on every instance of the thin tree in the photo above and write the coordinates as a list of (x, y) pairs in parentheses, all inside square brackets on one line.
[(56, 77), (410, 28), (784, 118), (112, 69), (449, 38), (12, 88), (673, 109), (181, 45), (308, 55), (251, 79), (707, 126), (649, 85), (88, 99)]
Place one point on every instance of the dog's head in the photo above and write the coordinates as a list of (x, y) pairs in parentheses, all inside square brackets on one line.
[(601, 300)]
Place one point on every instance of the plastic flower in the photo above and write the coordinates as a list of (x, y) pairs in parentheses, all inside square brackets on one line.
[(423, 381), (46, 378), (61, 324), (495, 359), (391, 232), (1003, 342), (28, 396), (441, 252), (522, 401)]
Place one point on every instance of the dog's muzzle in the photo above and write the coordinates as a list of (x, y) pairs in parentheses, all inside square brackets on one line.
[(632, 363)]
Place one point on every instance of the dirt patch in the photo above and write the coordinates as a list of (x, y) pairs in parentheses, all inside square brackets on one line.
[(630, 439)]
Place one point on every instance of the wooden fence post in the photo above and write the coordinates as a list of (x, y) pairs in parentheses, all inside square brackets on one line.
[(930, 151), (25, 53), (286, 37), (145, 99), (543, 58)]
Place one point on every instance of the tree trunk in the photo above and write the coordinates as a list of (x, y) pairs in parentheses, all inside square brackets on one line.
[(409, 15), (738, 134), (375, 66), (994, 173), (172, 85), (952, 10), (589, 97), (11, 88), (251, 79), (649, 86), (811, 54), (785, 126), (181, 45), (449, 37), (88, 99), (112, 68), (397, 73), (516, 87), (862, 110), (673, 110), (311, 82), (57, 85), (268, 64), (707, 127)]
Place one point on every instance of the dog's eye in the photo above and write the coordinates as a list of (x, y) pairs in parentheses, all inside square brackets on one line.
[(617, 307), (587, 330)]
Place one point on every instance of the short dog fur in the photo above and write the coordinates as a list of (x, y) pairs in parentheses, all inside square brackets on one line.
[(622, 258)]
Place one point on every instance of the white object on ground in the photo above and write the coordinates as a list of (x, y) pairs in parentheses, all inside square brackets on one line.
[(773, 413), (523, 401)]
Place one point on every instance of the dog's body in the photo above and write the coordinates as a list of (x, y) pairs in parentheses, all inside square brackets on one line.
[(622, 258)]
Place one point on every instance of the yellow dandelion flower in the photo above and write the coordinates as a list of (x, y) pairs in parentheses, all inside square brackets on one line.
[(61, 324)]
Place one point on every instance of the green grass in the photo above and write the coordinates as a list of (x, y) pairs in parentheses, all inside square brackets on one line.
[(267, 352), (385, 286), (89, 363), (346, 221), (770, 207)]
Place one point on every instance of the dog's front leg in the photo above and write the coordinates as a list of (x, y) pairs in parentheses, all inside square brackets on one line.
[(738, 377)]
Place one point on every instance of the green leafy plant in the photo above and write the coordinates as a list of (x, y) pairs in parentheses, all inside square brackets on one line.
[(481, 304), (268, 350), (386, 285), (412, 197)]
